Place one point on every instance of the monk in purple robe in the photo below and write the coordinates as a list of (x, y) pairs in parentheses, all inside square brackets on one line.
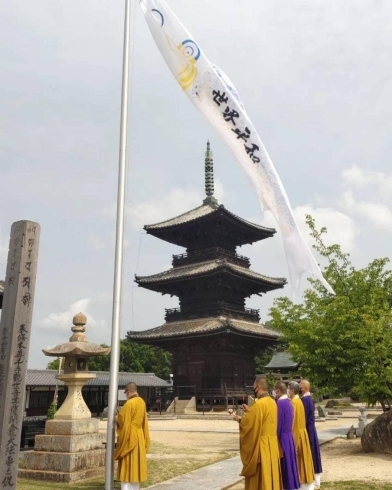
[(288, 461), (307, 401)]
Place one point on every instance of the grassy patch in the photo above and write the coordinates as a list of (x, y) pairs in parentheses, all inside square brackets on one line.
[(158, 471), (161, 470), (160, 448), (356, 485)]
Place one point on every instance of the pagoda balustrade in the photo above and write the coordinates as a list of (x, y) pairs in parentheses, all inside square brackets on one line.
[(211, 309), (208, 254)]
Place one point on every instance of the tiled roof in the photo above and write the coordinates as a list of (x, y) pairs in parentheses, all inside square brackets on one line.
[(46, 377), (201, 211), (204, 326), (184, 218), (207, 267), (281, 360)]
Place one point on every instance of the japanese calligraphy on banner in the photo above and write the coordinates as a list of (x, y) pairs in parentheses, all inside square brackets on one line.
[(212, 92), (15, 327)]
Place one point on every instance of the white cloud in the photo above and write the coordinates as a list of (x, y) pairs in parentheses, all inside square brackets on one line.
[(219, 190), (355, 176), (358, 177), (340, 226), (372, 205), (379, 215), (174, 203), (63, 320)]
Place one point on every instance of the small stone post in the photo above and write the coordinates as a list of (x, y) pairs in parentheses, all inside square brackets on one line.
[(362, 421), (15, 327)]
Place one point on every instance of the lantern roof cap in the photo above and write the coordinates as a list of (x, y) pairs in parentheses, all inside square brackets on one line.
[(78, 344)]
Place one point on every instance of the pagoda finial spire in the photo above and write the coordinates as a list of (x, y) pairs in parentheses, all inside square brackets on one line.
[(209, 177)]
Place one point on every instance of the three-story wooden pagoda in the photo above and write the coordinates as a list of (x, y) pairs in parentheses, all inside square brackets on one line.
[(212, 335)]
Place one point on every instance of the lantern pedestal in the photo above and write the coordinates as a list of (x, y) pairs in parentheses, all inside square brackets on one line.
[(74, 407)]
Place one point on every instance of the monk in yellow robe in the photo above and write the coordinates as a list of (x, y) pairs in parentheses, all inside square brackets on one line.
[(133, 440), (259, 447), (301, 439)]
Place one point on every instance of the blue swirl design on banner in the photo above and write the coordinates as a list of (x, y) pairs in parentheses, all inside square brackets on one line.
[(161, 15), (190, 49)]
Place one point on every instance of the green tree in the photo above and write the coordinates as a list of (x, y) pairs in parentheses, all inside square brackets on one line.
[(51, 411), (53, 364), (344, 342), (137, 358)]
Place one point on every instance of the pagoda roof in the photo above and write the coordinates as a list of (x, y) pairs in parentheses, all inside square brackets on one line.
[(282, 360), (176, 274), (191, 215), (198, 215), (203, 327)]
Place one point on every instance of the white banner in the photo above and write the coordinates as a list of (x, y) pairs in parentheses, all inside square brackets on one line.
[(212, 92)]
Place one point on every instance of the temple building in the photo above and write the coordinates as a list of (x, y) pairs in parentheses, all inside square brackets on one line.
[(212, 335), (41, 386), (282, 366)]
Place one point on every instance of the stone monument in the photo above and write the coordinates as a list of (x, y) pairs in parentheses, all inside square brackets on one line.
[(17, 300), (72, 447)]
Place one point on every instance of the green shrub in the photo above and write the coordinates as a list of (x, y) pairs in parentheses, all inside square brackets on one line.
[(52, 410)]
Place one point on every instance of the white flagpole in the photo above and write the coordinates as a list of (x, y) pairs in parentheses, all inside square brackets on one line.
[(118, 265)]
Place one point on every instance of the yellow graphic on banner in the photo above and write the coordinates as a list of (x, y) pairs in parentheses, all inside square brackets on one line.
[(187, 76), (191, 52)]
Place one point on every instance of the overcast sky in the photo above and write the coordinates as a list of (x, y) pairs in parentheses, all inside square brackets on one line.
[(314, 75)]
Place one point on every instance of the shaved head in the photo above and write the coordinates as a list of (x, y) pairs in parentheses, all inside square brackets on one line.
[(261, 382), (281, 386), (280, 389), (304, 386), (131, 387)]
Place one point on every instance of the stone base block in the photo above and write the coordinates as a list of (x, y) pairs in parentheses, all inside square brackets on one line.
[(62, 477), (71, 427), (65, 462), (69, 444)]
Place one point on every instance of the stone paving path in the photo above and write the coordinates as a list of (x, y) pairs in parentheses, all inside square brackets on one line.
[(225, 474), (216, 476), (331, 434)]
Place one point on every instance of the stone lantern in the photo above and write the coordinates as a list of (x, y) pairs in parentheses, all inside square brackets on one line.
[(72, 447), (76, 354)]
